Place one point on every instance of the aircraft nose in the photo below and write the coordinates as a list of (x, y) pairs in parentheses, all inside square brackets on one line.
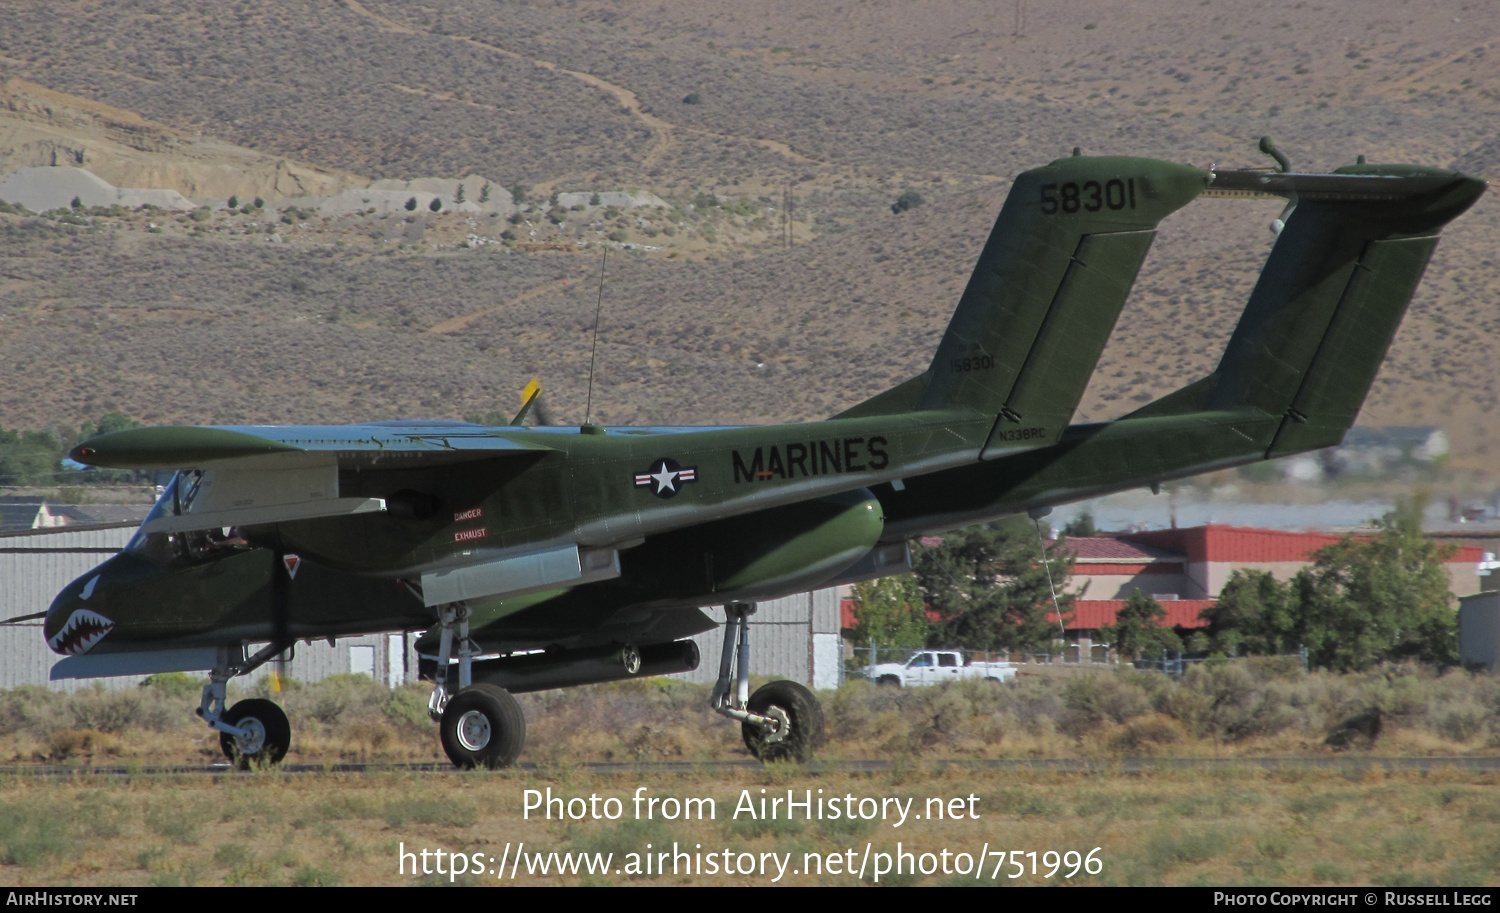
[(79, 617)]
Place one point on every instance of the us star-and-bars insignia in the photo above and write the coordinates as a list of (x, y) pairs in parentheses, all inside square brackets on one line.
[(666, 477)]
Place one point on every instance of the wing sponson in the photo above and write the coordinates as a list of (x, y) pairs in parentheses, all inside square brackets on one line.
[(182, 447), (172, 447)]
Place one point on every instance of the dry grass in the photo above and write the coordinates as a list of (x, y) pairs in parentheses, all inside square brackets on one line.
[(1236, 827), (1232, 825), (1241, 709)]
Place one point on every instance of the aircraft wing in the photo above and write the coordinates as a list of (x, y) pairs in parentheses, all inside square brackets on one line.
[(250, 475)]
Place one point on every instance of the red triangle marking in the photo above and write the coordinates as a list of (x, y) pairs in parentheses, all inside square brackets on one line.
[(292, 562)]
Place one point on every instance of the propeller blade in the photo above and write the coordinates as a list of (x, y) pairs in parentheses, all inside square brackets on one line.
[(528, 396)]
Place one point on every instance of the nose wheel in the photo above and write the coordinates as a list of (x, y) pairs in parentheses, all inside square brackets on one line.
[(264, 734)]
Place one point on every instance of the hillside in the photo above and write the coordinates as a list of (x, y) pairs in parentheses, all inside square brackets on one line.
[(848, 103)]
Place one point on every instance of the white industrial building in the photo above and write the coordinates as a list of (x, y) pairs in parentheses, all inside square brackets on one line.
[(795, 638)]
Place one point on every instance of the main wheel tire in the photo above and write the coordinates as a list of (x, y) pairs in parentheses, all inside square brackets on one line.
[(483, 726), (268, 734), (797, 710)]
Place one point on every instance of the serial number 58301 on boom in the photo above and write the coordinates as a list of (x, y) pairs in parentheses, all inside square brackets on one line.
[(1091, 196)]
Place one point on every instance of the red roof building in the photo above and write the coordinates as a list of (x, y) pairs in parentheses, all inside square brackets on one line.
[(1184, 569)]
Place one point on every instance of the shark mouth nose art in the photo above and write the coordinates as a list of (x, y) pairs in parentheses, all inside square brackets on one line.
[(84, 629)]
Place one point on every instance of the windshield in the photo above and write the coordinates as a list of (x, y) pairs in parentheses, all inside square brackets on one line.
[(183, 547)]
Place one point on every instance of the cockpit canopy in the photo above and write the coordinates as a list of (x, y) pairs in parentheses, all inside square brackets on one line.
[(182, 548)]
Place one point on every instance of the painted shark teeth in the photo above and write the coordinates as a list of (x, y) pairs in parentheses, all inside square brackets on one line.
[(84, 629)]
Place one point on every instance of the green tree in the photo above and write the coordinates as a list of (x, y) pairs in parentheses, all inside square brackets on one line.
[(435, 205), (411, 205), (77, 203), (1379, 600), (1361, 602), (484, 193), (458, 197), (108, 422), (1139, 628), (1255, 614), (989, 586), (29, 457), (1081, 526), (889, 612), (234, 202)]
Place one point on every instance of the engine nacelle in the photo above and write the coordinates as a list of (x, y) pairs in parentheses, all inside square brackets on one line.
[(762, 555)]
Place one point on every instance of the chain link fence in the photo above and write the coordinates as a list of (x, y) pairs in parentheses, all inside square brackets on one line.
[(860, 662)]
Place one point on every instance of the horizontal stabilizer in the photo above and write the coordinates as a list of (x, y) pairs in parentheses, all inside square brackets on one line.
[(1348, 258)]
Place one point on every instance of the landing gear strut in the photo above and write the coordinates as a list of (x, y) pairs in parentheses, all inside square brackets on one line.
[(252, 732), (782, 721), (481, 725)]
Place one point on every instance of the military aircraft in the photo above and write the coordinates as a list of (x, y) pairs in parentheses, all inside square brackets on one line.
[(547, 557)]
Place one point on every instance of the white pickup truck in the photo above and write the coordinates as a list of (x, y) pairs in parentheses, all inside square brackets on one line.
[(928, 667)]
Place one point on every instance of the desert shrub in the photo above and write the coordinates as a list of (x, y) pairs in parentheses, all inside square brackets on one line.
[(175, 685), (340, 696), (1462, 722), (29, 708), (908, 200), (66, 744), (118, 711), (1147, 733), (1228, 703), (1089, 700), (406, 709)]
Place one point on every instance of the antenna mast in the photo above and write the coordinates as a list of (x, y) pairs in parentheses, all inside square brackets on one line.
[(588, 407)]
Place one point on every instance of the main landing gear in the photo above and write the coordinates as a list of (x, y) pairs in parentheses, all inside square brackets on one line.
[(254, 732), (781, 721), (481, 725)]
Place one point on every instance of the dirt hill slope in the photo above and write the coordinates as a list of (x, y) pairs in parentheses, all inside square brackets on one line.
[(849, 104)]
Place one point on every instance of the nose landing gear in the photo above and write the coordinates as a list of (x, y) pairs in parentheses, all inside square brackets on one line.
[(264, 735), (253, 732)]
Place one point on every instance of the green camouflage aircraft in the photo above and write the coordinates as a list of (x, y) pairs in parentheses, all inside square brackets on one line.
[(546, 557)]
